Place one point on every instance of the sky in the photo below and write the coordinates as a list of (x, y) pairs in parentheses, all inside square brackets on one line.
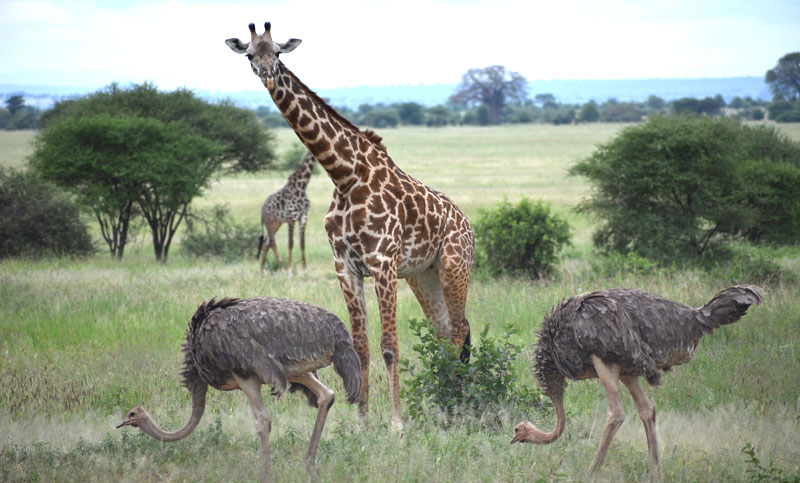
[(350, 43)]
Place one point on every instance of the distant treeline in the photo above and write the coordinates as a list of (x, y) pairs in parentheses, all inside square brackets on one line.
[(545, 108)]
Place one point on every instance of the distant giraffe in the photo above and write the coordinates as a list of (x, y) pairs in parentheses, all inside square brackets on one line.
[(287, 205), (381, 223)]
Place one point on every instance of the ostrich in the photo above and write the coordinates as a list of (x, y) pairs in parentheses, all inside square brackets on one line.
[(618, 335), (242, 344)]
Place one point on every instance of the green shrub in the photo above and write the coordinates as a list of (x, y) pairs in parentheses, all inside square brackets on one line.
[(790, 116), (37, 219), (743, 263), (756, 472), (215, 234), (520, 240), (442, 381), (777, 108), (614, 264), (676, 188)]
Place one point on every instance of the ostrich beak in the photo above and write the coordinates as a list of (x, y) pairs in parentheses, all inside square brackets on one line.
[(127, 422)]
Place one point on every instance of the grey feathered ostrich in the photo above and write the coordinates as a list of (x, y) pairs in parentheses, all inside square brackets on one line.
[(242, 344), (619, 335)]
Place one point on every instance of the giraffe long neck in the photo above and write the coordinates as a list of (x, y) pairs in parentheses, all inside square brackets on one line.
[(299, 179), (331, 138)]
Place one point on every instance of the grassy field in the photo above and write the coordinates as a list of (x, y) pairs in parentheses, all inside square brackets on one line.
[(83, 341)]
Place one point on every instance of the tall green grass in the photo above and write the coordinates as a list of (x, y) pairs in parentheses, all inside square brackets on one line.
[(83, 341)]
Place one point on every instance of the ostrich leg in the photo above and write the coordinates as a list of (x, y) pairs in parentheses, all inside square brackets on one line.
[(647, 412), (609, 378), (325, 398), (252, 389)]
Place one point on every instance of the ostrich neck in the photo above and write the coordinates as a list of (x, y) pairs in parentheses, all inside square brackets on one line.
[(561, 421), (149, 427), (328, 136)]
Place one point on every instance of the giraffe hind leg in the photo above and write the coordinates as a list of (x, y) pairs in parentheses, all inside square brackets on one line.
[(428, 291)]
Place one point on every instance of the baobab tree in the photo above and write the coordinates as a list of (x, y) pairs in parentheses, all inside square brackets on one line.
[(491, 86)]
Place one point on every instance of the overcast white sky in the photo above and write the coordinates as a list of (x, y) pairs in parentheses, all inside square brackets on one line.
[(346, 43)]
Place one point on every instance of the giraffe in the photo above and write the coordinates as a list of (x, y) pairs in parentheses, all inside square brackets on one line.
[(289, 204), (381, 222)]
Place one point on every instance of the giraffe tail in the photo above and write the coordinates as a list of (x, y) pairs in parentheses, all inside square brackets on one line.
[(260, 244), (466, 349)]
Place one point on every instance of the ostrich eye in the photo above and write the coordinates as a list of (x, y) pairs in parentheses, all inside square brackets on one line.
[(131, 414)]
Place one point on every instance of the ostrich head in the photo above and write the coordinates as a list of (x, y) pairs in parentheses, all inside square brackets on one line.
[(135, 417), (526, 432)]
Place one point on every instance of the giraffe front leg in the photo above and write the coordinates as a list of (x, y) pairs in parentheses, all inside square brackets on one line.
[(352, 286), (302, 232), (290, 226), (386, 290)]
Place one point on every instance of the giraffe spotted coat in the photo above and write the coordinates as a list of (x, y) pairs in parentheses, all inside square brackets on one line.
[(381, 223), (287, 205)]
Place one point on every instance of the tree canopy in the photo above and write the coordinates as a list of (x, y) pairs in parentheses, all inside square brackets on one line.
[(491, 86), (674, 187), (784, 78), (143, 152), (247, 146)]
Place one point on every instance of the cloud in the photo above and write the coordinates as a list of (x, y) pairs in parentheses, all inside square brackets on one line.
[(177, 43)]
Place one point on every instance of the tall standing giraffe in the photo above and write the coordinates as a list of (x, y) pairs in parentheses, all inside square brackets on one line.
[(381, 223), (287, 205)]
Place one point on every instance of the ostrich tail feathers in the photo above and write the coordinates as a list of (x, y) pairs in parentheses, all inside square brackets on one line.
[(347, 364), (730, 304)]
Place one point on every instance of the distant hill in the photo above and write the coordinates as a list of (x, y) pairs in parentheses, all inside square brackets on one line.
[(565, 91)]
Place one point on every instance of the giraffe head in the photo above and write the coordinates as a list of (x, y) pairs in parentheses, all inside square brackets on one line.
[(262, 52)]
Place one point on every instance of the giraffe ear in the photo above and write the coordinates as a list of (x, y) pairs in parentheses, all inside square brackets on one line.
[(237, 45), (288, 46)]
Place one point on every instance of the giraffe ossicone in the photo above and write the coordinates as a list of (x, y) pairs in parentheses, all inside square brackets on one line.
[(381, 222)]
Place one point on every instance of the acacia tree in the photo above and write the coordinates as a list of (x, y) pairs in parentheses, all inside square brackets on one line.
[(491, 86), (673, 187), (140, 150), (784, 78), (118, 164)]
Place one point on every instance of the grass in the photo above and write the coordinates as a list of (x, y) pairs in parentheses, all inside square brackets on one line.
[(83, 341)]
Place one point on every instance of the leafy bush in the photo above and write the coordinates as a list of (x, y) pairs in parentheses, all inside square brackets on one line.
[(756, 472), (36, 219), (790, 116), (614, 264), (444, 382), (520, 240), (215, 234), (676, 188), (742, 263), (777, 108)]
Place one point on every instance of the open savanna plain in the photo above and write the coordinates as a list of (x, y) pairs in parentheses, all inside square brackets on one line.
[(82, 341)]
